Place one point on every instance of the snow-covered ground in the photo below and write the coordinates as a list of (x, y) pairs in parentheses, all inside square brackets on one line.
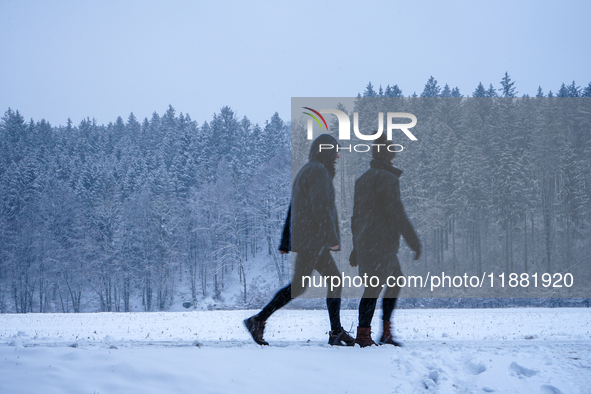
[(446, 351)]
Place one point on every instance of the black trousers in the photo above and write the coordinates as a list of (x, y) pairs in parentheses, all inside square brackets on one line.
[(367, 305), (306, 262)]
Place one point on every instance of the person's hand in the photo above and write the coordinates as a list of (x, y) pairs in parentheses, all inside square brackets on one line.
[(283, 252), (417, 253), (335, 248), (353, 259)]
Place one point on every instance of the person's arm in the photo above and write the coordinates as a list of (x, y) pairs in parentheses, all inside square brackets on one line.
[(354, 227), (396, 208), (323, 208)]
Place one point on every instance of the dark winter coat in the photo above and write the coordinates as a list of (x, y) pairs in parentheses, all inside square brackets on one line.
[(312, 220), (285, 245), (379, 219)]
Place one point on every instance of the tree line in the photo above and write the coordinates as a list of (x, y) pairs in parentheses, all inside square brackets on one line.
[(93, 216), (497, 181)]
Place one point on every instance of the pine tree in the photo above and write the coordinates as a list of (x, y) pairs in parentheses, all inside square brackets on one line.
[(479, 92), (133, 128), (14, 130), (119, 128), (491, 92), (388, 91), (394, 91), (369, 91), (446, 92), (431, 88), (563, 91), (223, 138), (507, 87), (574, 90)]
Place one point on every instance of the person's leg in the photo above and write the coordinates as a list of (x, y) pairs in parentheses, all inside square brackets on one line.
[(334, 312), (391, 295), (388, 305), (326, 266), (283, 296), (256, 324), (367, 307)]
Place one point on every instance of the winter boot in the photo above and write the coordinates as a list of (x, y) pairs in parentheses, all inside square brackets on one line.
[(340, 337), (256, 329), (387, 338), (364, 337)]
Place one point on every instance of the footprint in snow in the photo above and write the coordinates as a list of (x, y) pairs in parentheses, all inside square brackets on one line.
[(521, 371), (549, 389), (434, 375), (430, 382), (474, 368)]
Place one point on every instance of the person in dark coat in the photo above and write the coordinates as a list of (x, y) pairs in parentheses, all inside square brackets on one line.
[(378, 222), (311, 229)]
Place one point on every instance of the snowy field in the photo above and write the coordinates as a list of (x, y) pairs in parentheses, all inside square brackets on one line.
[(446, 351)]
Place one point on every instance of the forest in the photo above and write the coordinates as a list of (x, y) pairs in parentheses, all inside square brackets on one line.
[(94, 216)]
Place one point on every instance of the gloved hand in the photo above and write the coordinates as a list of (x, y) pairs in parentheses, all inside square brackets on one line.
[(353, 259)]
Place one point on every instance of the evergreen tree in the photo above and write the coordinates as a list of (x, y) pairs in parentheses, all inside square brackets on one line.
[(133, 128), (393, 91), (479, 92), (119, 128), (369, 91), (507, 87), (491, 92), (574, 90), (13, 131), (563, 91), (446, 92), (431, 88)]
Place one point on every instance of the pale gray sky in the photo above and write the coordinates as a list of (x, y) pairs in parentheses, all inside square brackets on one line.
[(105, 59)]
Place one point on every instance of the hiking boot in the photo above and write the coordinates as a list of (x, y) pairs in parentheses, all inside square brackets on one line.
[(256, 329), (340, 337), (364, 337), (387, 338)]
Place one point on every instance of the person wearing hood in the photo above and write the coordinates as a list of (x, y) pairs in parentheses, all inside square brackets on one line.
[(312, 231), (378, 222)]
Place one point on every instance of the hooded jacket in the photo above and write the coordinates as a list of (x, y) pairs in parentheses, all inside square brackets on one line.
[(378, 216), (312, 220)]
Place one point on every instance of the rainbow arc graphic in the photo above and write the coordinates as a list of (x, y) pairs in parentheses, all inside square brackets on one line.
[(315, 118)]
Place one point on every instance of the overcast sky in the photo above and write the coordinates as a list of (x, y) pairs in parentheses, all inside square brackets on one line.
[(105, 59)]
